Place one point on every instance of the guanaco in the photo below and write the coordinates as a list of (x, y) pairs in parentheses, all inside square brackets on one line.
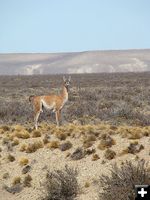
[(51, 102)]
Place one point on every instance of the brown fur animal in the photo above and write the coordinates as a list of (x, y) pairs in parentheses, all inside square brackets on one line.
[(52, 102)]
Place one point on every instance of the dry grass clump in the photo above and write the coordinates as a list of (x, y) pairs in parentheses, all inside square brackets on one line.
[(87, 184), (11, 158), (88, 129), (123, 179), (90, 138), (15, 142), (61, 185), (135, 136), (146, 131), (87, 144), (78, 154), (88, 141), (109, 154), (36, 133), (46, 139), (71, 128), (90, 151), (65, 146), (135, 133), (61, 136), (111, 132), (131, 132), (4, 128), (29, 129), (95, 157), (27, 181), (8, 143), (5, 140), (18, 127), (123, 131), (1, 131), (34, 146), (114, 128), (16, 180), (53, 144), (10, 136), (23, 147), (123, 152), (106, 142), (23, 161), (21, 134)]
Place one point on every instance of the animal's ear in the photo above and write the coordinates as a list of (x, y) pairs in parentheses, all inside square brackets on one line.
[(69, 78), (64, 78)]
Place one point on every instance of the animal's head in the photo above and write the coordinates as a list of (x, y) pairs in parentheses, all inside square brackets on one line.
[(67, 82)]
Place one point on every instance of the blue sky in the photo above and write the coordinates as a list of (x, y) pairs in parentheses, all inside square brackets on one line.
[(73, 25)]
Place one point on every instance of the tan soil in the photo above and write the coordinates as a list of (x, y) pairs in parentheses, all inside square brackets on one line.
[(44, 158)]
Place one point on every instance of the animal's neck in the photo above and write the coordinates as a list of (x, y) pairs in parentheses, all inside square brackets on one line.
[(65, 93)]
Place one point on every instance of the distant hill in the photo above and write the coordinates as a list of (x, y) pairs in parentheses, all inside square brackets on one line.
[(81, 62)]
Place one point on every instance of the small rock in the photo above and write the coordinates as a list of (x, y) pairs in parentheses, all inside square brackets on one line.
[(13, 189), (103, 162), (26, 169), (65, 146), (78, 154), (6, 175)]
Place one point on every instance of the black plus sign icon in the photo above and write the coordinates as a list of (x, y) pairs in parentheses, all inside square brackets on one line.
[(142, 192)]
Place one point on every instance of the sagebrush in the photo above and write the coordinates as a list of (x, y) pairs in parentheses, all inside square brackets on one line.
[(61, 184), (122, 180)]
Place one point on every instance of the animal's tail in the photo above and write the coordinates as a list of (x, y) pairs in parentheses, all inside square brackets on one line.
[(31, 98)]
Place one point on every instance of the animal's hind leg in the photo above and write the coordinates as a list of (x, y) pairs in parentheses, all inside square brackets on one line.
[(41, 107), (38, 109)]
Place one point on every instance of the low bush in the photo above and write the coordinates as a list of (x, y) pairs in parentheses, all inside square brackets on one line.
[(61, 185), (122, 180)]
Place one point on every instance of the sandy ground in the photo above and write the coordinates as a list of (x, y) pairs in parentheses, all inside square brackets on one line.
[(50, 159)]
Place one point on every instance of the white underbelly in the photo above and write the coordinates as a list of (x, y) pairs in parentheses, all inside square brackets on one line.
[(48, 106)]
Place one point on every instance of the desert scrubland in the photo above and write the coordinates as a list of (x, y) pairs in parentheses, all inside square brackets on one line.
[(105, 122)]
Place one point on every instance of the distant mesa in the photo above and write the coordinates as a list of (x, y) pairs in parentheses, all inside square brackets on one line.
[(79, 62)]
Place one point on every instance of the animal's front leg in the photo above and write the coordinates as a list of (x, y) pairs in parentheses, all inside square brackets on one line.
[(58, 114), (60, 117), (36, 120)]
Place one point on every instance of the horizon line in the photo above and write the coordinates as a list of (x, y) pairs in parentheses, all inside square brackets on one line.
[(106, 50)]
